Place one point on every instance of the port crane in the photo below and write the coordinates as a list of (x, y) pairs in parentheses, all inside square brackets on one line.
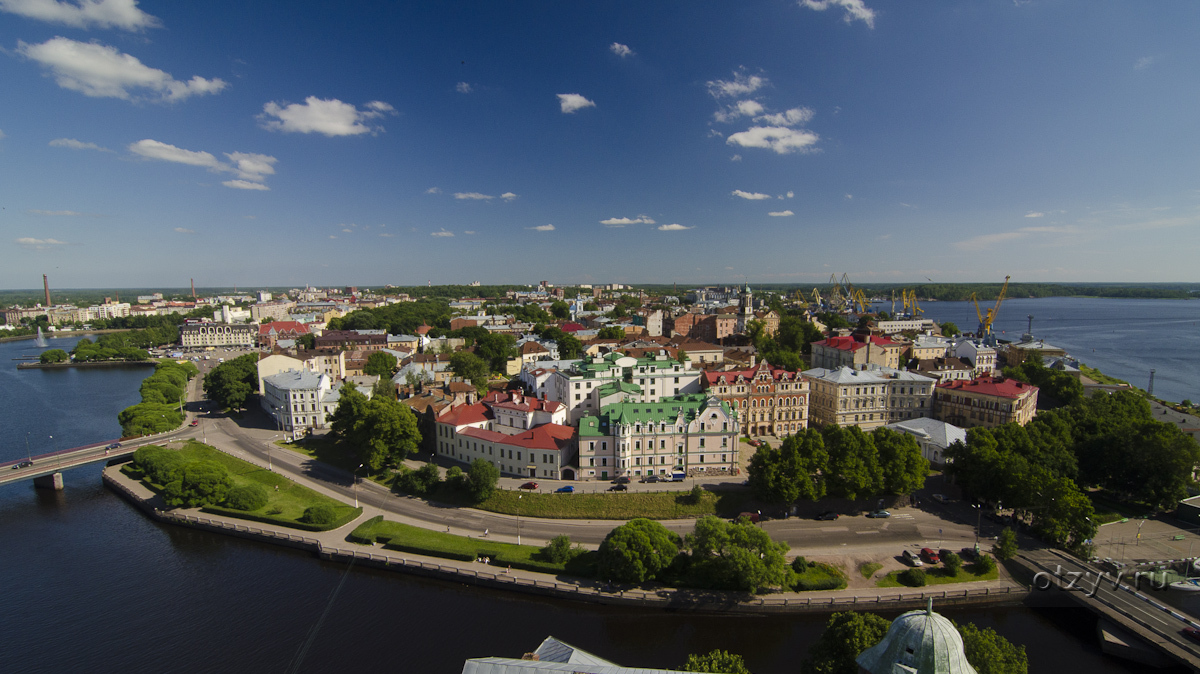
[(985, 321)]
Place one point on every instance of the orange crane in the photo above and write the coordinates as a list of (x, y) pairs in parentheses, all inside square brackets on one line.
[(985, 322)]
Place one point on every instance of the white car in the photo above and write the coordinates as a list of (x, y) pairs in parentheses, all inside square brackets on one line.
[(912, 559)]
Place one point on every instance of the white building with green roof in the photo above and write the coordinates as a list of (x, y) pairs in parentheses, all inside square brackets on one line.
[(655, 376), (692, 433)]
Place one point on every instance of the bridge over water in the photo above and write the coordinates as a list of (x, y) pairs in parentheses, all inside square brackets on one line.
[(46, 469)]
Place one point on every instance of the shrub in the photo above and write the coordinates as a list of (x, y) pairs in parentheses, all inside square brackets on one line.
[(912, 578), (559, 550), (200, 483), (160, 464), (247, 497), (985, 564), (456, 478), (1006, 544), (799, 565), (320, 514), (695, 495), (819, 576), (953, 563)]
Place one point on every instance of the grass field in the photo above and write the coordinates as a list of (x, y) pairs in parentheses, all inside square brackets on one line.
[(820, 576), (416, 540), (868, 569), (288, 500), (1099, 377), (937, 576), (659, 505)]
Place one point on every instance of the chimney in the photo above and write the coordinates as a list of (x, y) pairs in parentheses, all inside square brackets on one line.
[(46, 283)]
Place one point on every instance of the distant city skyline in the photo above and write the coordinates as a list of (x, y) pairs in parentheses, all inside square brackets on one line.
[(277, 144)]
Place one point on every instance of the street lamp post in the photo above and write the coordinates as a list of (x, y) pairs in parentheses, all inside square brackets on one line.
[(269, 443), (356, 485), (519, 518)]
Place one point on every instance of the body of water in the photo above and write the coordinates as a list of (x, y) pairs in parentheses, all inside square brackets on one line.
[(93, 585)]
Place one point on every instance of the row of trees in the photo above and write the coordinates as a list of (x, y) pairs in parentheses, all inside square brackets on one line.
[(380, 431), (162, 395), (836, 461), (231, 383), (478, 482), (1107, 441)]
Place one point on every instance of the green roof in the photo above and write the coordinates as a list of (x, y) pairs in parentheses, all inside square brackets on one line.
[(665, 411)]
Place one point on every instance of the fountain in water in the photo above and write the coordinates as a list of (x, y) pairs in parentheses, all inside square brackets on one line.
[(41, 342)]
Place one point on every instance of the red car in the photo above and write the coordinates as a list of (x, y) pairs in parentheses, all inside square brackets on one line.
[(195, 422), (529, 485), (930, 556)]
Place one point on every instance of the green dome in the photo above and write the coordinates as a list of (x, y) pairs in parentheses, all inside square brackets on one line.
[(918, 641)]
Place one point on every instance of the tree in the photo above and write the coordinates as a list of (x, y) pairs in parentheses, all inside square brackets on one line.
[(1006, 544), (846, 636), (200, 483), (471, 368), (854, 470), (496, 349), (611, 332), (904, 469), (591, 306), (148, 418), (379, 431), (384, 388), (380, 364), (54, 356), (952, 562), (789, 473), (990, 653), (231, 383), (307, 342), (950, 329), (735, 556), (715, 661), (637, 551), (560, 309), (483, 478), (559, 550)]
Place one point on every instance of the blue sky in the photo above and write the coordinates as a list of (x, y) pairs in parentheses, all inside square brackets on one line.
[(282, 143)]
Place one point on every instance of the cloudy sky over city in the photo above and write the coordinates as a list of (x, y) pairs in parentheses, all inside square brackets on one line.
[(280, 143)]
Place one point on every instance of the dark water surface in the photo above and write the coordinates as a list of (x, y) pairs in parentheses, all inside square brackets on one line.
[(91, 585)]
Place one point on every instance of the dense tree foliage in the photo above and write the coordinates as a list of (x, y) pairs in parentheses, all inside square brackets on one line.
[(162, 400), (990, 653), (1055, 389), (107, 347), (718, 661), (379, 431), (791, 472), (1006, 544), (482, 478), (637, 551), (734, 556), (949, 329), (471, 368), (54, 356), (380, 364), (496, 350), (402, 318), (198, 484), (231, 383), (611, 332), (569, 346), (846, 636)]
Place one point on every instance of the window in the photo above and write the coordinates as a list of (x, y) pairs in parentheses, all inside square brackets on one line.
[(701, 443), (592, 462)]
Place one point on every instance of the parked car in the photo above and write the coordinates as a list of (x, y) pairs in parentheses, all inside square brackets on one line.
[(879, 513), (678, 476), (941, 498), (968, 554), (619, 487), (529, 485), (753, 517), (624, 479), (195, 423), (568, 489), (828, 515), (912, 559), (929, 556), (650, 478)]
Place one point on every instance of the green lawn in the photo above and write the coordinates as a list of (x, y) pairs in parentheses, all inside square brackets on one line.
[(416, 540), (868, 569), (658, 505), (820, 576), (288, 500), (937, 576), (1099, 377)]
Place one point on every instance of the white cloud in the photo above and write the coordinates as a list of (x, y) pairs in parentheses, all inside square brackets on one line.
[(572, 102), (463, 88), (441, 232), (73, 144), (185, 230), (620, 49), (332, 236), (736, 157), (741, 85), (330, 117), (39, 244), (856, 10), (790, 194), (747, 108), (985, 241), (433, 190), (472, 196), (1035, 214), (245, 185), (347, 230), (251, 169), (2, 136), (508, 196), (752, 196), (83, 13), (1144, 62), (790, 117), (542, 228), (622, 222), (386, 235), (100, 71), (778, 138), (34, 211), (780, 214), (672, 228), (849, 196), (469, 231)]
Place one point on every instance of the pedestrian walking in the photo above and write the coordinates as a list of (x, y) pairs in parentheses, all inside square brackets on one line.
[(485, 532)]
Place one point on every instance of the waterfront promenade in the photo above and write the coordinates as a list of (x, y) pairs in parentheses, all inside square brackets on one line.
[(332, 545)]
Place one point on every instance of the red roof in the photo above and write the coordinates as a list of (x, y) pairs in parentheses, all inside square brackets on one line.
[(283, 328), (544, 437), (990, 386), (571, 327), (466, 414), (855, 342), (731, 376)]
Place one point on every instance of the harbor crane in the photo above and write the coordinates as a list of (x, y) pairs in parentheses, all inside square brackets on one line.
[(985, 321)]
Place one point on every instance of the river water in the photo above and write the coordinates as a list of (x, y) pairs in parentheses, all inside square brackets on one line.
[(93, 585)]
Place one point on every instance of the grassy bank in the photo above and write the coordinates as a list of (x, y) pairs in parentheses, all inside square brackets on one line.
[(1099, 377), (287, 500), (658, 505), (938, 576), (406, 538)]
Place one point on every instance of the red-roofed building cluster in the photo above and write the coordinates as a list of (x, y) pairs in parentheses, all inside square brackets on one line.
[(856, 350), (985, 401), (768, 400), (521, 435)]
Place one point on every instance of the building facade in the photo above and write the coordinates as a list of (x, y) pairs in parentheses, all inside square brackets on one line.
[(519, 435), (216, 334), (300, 400), (868, 397), (856, 350), (985, 401), (768, 400)]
